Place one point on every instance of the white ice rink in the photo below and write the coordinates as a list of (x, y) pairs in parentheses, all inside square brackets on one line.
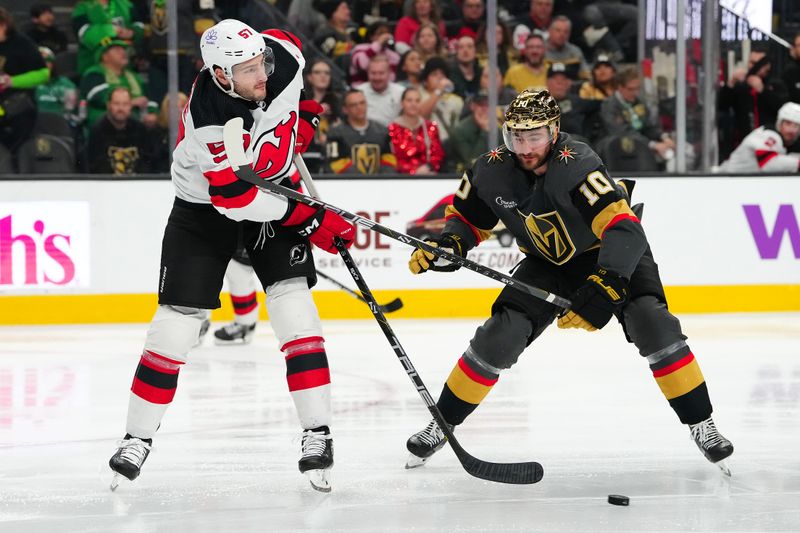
[(583, 404)]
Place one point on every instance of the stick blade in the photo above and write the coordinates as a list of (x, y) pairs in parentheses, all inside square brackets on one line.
[(512, 473), (391, 307)]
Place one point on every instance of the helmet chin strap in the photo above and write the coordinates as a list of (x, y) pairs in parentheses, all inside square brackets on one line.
[(230, 91)]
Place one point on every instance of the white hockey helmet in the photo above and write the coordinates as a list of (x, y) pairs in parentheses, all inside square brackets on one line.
[(789, 111), (230, 42)]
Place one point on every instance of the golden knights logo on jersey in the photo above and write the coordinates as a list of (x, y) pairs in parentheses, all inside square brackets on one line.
[(549, 233), (366, 157)]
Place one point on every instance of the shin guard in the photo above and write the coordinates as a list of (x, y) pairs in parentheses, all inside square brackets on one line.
[(679, 377), (153, 389), (309, 380), (467, 385)]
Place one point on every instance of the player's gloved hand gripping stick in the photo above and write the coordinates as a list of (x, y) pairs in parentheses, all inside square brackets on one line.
[(517, 473)]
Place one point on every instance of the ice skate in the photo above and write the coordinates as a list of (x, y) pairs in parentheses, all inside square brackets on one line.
[(128, 460), (317, 458), (423, 444), (714, 446), (234, 333)]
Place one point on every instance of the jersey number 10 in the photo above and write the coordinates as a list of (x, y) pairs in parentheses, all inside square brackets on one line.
[(600, 185)]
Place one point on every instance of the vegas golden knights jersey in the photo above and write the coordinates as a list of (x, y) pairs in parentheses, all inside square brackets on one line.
[(573, 207)]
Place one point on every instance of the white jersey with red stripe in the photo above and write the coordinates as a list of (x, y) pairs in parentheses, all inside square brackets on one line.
[(761, 151), (200, 170)]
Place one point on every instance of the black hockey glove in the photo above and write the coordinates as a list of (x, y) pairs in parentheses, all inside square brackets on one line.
[(422, 261), (595, 301)]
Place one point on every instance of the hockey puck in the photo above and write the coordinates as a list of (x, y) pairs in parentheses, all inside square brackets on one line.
[(618, 499)]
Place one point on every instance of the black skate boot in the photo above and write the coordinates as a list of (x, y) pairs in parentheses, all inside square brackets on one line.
[(714, 446), (423, 444), (317, 458), (129, 458), (234, 333)]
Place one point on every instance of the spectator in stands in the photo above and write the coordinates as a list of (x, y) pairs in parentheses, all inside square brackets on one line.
[(560, 50), (791, 74), (603, 82), (383, 95), (96, 22), (418, 13), (505, 93), (465, 72), (112, 71), (318, 87), (59, 95), (536, 21), (409, 69), (470, 136), (335, 37), (626, 114), (156, 45), (473, 15), (358, 145), (506, 54), (22, 69), (415, 141), (43, 31), (428, 43), (162, 150), (613, 28), (118, 143), (532, 72), (574, 110), (438, 101), (764, 149), (755, 101), (379, 41)]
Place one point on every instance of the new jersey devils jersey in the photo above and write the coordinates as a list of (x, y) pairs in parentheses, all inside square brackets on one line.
[(761, 151), (573, 207), (200, 169)]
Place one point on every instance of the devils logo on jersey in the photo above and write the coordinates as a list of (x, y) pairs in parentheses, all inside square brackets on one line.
[(298, 255), (274, 148)]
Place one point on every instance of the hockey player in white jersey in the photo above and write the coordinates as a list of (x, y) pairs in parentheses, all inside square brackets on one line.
[(764, 149), (257, 77)]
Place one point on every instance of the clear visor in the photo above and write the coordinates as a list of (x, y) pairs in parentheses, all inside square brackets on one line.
[(526, 141), (253, 71)]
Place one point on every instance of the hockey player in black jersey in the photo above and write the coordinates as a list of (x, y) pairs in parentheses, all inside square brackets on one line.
[(580, 237), (257, 77)]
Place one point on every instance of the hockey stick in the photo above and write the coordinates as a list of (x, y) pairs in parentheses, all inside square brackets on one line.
[(390, 307), (515, 473), (243, 171), (305, 175)]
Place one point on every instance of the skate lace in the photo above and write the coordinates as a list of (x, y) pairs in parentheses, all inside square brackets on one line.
[(314, 443), (133, 450), (706, 434), (431, 435)]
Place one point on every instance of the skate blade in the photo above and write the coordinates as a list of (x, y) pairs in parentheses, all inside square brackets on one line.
[(116, 481), (723, 465), (235, 342), (414, 461), (320, 479)]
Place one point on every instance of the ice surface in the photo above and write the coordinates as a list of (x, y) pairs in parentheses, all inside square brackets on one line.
[(225, 458)]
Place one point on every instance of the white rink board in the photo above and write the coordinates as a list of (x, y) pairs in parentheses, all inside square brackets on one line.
[(698, 227)]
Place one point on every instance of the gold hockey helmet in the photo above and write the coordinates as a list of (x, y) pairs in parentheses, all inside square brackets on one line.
[(533, 109)]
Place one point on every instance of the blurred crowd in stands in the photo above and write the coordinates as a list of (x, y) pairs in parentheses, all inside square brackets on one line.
[(404, 83)]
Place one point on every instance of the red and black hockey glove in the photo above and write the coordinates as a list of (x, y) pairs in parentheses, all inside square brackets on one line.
[(422, 261), (594, 303), (307, 125), (320, 226)]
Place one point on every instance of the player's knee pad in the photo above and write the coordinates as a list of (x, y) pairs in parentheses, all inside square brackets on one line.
[(292, 312), (241, 278), (498, 343), (174, 331), (651, 326)]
